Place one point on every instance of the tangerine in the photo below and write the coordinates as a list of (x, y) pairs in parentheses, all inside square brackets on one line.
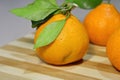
[(70, 46), (101, 22), (113, 49)]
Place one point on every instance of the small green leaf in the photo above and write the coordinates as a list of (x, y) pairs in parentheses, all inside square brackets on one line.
[(49, 33), (86, 4), (38, 10)]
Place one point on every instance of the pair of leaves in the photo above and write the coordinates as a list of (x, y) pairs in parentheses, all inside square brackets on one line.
[(39, 12), (86, 4)]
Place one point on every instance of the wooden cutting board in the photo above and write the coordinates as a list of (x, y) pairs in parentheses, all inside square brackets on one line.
[(19, 62)]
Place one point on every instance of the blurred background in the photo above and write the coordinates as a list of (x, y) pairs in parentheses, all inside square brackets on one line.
[(13, 27)]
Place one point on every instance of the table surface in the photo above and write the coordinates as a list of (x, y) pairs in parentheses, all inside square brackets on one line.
[(18, 61)]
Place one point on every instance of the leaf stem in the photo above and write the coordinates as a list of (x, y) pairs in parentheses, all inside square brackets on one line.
[(67, 16)]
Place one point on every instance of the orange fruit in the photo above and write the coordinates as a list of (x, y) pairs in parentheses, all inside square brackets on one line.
[(101, 22), (70, 46), (113, 49)]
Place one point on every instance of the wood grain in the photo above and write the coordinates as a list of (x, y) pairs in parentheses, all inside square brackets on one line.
[(18, 61)]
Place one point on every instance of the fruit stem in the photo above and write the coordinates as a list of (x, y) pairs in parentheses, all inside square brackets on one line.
[(66, 8), (67, 16), (107, 1)]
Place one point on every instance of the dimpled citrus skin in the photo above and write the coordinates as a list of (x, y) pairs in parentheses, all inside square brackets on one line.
[(70, 46), (101, 22), (113, 49)]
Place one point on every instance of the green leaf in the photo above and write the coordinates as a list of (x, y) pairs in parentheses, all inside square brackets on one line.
[(36, 24), (86, 4), (54, 2), (49, 33), (38, 10)]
